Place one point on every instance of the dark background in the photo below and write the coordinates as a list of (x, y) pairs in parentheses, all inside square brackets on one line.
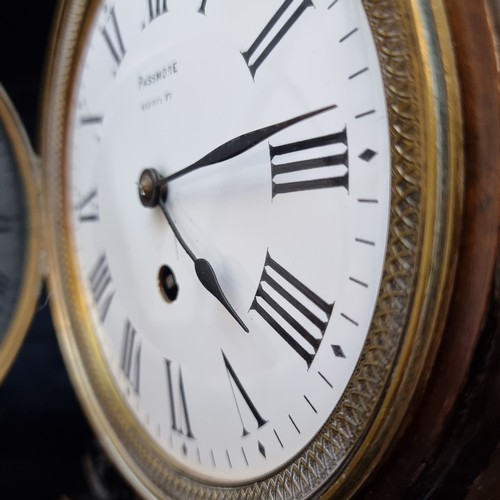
[(44, 437)]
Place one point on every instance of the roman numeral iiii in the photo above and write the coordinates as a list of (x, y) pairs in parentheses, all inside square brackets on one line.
[(281, 296)]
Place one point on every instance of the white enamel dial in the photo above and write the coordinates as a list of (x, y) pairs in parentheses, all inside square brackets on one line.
[(294, 228)]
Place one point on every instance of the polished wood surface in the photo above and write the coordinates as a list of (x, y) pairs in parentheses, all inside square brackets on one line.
[(454, 429)]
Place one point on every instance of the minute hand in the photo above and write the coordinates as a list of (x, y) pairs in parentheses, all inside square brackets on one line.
[(243, 143)]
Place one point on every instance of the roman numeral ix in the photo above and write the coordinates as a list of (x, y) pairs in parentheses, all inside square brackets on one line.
[(88, 208), (281, 296), (286, 16), (314, 171)]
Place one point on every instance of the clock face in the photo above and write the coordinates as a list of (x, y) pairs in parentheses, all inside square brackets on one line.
[(231, 384)]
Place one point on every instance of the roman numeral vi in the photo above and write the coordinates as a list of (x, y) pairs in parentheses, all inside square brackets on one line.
[(179, 415)]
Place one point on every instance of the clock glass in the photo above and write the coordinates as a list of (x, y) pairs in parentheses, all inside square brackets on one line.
[(232, 306), (19, 234), (13, 231)]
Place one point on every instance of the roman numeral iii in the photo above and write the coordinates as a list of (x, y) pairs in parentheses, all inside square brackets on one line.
[(281, 295), (323, 163), (286, 16)]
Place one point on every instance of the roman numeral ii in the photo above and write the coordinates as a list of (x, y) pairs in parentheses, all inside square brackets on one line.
[(267, 40)]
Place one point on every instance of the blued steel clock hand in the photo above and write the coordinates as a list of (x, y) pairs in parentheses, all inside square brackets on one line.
[(242, 143), (152, 193)]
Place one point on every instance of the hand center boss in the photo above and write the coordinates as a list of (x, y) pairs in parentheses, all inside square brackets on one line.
[(153, 192)]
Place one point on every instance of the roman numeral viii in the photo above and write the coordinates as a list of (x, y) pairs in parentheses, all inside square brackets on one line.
[(286, 16), (130, 361), (179, 415), (100, 284), (156, 8), (313, 170), (281, 296)]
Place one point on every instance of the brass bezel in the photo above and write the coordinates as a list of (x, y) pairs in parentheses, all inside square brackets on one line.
[(31, 279), (422, 93)]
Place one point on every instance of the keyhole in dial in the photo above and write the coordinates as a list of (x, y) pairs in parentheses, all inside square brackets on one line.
[(168, 284)]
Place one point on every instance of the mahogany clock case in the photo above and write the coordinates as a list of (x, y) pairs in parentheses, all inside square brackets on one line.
[(449, 448)]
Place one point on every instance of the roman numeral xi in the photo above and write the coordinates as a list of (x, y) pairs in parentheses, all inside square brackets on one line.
[(113, 38), (297, 314)]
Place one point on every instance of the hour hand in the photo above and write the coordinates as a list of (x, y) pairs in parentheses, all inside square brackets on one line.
[(152, 194)]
